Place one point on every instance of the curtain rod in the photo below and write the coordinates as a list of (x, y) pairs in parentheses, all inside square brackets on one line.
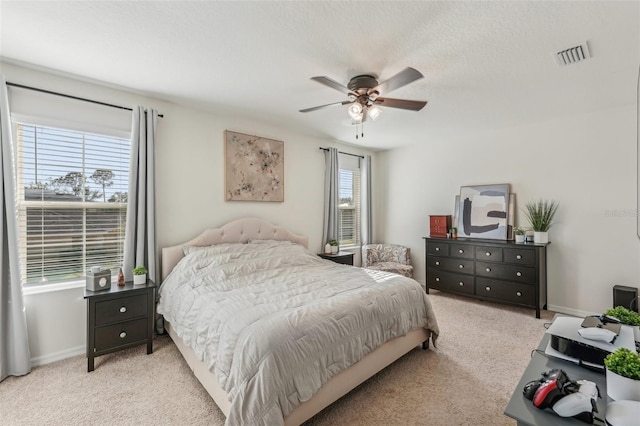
[(345, 153), (35, 89)]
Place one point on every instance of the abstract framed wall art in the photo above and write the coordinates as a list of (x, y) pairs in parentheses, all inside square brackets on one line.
[(483, 211), (254, 168)]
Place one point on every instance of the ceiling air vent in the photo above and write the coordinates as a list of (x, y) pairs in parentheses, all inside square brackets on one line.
[(573, 54)]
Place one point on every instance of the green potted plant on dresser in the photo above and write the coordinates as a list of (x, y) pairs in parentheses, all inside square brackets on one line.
[(334, 246), (139, 275), (623, 375), (540, 214)]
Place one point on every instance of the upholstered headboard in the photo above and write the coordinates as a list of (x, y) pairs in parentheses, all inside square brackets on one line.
[(237, 231)]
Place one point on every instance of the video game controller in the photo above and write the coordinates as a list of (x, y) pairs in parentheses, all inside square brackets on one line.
[(598, 334), (580, 404), (552, 388)]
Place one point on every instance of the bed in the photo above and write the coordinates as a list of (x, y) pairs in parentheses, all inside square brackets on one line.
[(273, 332)]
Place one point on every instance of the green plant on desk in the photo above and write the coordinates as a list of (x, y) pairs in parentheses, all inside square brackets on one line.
[(626, 316), (624, 362)]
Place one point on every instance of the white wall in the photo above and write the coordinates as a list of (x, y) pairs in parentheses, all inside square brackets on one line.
[(190, 194), (587, 163)]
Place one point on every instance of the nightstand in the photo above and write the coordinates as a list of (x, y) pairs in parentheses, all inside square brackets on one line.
[(343, 257), (119, 318)]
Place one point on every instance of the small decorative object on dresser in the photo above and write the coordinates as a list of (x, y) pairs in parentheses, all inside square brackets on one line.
[(98, 279), (120, 277), (499, 271), (439, 225), (540, 214), (139, 275), (519, 234), (334, 246)]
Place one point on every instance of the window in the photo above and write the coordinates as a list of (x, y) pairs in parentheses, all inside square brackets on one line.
[(72, 200), (349, 207)]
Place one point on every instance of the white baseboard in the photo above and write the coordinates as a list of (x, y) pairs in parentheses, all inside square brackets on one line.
[(58, 356), (570, 311)]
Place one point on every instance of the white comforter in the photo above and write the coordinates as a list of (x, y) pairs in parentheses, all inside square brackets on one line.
[(274, 322)]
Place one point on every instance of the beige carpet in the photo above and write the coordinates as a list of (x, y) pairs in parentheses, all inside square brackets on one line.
[(467, 380)]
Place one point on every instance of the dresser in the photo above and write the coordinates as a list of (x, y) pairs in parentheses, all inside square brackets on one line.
[(494, 270), (119, 318)]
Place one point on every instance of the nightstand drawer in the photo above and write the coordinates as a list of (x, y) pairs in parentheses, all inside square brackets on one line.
[(112, 336), (121, 309)]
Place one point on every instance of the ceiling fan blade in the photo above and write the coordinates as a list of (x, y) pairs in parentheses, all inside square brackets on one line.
[(401, 103), (404, 77), (324, 106), (333, 84)]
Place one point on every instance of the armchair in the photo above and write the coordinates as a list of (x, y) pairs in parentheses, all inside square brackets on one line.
[(387, 257)]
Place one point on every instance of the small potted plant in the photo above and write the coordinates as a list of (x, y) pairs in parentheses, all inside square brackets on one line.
[(626, 317), (334, 246), (519, 233), (540, 214), (623, 375), (139, 275)]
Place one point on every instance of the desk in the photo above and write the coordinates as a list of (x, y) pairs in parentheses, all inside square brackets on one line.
[(522, 410)]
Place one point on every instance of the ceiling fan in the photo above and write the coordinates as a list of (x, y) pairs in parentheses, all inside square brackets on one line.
[(364, 94)]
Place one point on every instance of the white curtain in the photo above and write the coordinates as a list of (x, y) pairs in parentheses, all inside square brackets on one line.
[(140, 234), (331, 197), (366, 219), (15, 358)]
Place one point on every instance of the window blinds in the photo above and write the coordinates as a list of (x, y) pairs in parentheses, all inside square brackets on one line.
[(72, 196)]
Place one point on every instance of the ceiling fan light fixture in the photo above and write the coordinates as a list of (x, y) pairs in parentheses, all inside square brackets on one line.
[(374, 112), (355, 110)]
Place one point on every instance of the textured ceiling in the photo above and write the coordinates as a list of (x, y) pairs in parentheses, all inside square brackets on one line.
[(486, 64)]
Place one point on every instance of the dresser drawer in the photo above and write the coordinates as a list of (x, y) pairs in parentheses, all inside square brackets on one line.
[(493, 254), (121, 309), (437, 248), (520, 255), (448, 281), (464, 251), (463, 266), (506, 291), (112, 336), (517, 273)]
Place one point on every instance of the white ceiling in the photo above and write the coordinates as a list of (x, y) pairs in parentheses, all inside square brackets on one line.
[(486, 64)]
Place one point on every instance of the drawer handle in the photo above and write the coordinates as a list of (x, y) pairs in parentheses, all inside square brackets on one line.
[(437, 248), (437, 263), (487, 288), (123, 334), (461, 284), (488, 269), (519, 257), (518, 293), (437, 278), (461, 266), (460, 251), (123, 309), (519, 274), (488, 253)]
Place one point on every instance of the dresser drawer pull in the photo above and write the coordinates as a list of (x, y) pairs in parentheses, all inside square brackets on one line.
[(123, 309), (487, 288), (437, 248), (488, 269), (519, 274), (460, 251), (518, 256), (123, 334), (488, 253), (437, 278), (518, 293), (461, 266), (437, 263), (461, 284)]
